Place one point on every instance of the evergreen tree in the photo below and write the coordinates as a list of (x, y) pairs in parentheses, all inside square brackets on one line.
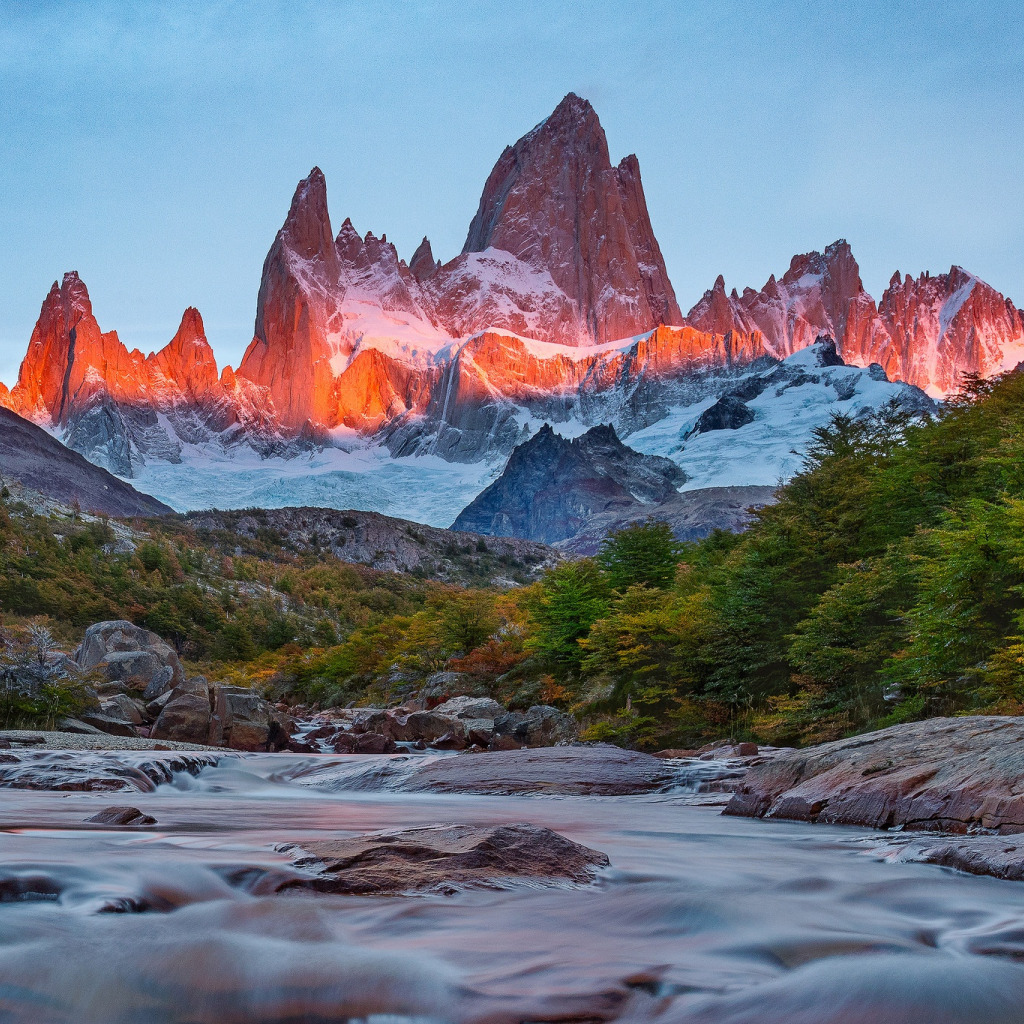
[(569, 600), (643, 554)]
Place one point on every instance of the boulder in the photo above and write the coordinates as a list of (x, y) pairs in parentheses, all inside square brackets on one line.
[(121, 705), (450, 741), (242, 720), (443, 856), (479, 731), (371, 743), (386, 723), (126, 653), (725, 751), (470, 708), (430, 726), (76, 725), (154, 707), (541, 726), (121, 816), (948, 774), (113, 725), (185, 717)]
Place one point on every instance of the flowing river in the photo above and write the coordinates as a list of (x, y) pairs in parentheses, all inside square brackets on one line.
[(701, 919)]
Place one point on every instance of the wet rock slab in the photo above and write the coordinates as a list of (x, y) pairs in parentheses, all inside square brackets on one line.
[(440, 857), (999, 856), (97, 771), (600, 770), (944, 774)]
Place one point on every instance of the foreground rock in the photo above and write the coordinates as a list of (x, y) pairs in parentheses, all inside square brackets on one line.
[(143, 691), (443, 856), (601, 770), (97, 771), (947, 774), (121, 816)]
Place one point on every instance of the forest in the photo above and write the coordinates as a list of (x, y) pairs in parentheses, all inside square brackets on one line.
[(885, 585)]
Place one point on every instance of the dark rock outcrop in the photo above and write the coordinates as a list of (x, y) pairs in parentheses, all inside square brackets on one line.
[(445, 856), (551, 486), (730, 412)]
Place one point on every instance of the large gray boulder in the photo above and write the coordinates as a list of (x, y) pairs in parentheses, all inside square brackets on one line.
[(540, 726), (470, 708), (132, 656), (243, 720)]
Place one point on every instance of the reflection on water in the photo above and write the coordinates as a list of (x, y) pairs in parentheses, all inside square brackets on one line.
[(700, 919)]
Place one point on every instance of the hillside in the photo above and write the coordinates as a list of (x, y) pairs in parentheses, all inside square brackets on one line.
[(37, 460)]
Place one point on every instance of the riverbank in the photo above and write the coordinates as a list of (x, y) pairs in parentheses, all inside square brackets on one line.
[(56, 740)]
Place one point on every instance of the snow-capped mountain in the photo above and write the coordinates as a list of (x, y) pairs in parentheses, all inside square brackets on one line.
[(376, 383), (928, 331)]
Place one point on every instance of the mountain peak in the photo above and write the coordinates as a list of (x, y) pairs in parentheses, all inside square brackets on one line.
[(554, 201), (307, 228), (575, 113), (422, 263)]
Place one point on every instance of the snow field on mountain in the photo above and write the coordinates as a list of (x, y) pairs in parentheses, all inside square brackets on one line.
[(424, 489), (771, 449)]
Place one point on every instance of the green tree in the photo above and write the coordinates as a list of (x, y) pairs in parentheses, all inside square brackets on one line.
[(642, 554), (568, 601)]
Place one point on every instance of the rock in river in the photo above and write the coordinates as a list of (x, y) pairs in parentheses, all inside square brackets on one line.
[(600, 769), (121, 816), (948, 774), (442, 856)]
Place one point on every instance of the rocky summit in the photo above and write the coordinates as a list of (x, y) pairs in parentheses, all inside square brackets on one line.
[(551, 487)]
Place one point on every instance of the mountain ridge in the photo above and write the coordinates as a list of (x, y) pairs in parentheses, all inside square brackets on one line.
[(559, 309)]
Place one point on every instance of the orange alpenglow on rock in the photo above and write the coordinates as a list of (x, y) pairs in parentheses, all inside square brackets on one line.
[(560, 293), (554, 201), (298, 311)]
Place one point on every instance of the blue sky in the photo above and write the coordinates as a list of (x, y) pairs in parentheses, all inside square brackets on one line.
[(154, 147)]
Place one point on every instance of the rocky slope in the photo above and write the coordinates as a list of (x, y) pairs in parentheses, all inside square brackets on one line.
[(551, 487), (383, 543), (38, 461)]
